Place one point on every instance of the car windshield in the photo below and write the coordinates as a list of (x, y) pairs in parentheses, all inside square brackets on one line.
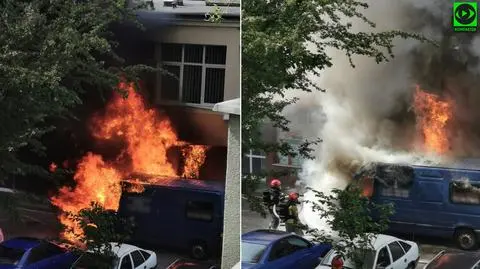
[(91, 260), (10, 256), (252, 253)]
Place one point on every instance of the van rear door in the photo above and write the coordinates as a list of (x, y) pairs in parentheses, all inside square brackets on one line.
[(204, 219)]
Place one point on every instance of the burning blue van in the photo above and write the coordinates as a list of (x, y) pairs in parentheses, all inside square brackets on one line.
[(175, 213), (428, 201)]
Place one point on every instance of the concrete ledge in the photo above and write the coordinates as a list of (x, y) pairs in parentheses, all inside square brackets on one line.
[(229, 107)]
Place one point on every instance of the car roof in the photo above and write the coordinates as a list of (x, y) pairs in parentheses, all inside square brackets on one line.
[(264, 237), (24, 243), (382, 239), (122, 249), (453, 259)]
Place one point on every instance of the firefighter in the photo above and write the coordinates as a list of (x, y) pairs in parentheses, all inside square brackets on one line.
[(292, 222), (274, 197)]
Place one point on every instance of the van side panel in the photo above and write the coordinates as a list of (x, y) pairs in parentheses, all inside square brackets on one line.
[(403, 218), (430, 202), (463, 211), (175, 218), (430, 206)]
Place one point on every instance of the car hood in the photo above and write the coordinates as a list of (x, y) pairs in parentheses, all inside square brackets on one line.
[(5, 266)]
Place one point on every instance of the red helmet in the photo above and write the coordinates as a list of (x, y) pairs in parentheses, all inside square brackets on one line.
[(337, 262), (275, 183), (293, 196)]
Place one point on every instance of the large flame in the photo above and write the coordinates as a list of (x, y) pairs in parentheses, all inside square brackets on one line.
[(433, 115), (147, 136)]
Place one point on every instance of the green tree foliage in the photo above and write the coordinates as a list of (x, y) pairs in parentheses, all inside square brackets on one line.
[(276, 59), (52, 51), (100, 228), (349, 215), (284, 44)]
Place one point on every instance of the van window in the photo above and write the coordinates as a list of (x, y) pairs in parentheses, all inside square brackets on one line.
[(463, 192), (200, 211), (138, 204), (394, 180), (399, 192)]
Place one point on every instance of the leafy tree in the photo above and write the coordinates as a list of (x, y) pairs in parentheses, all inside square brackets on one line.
[(100, 227), (350, 216), (276, 59), (52, 51)]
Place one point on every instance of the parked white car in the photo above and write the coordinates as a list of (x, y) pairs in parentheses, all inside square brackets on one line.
[(128, 257), (388, 253)]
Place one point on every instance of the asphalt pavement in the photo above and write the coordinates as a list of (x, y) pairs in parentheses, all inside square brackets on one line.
[(429, 247)]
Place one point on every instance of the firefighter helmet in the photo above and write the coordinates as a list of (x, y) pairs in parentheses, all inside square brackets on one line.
[(293, 196), (275, 183)]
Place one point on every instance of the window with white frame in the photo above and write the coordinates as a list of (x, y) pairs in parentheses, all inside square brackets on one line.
[(199, 71), (285, 160), (253, 162)]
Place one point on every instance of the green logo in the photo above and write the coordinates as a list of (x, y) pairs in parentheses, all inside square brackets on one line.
[(465, 16)]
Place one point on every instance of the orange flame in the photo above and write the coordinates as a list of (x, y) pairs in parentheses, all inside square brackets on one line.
[(432, 115), (136, 186), (52, 168), (147, 136), (194, 158)]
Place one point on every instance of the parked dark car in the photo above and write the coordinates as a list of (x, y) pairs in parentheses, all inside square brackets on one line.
[(31, 253), (455, 259), (272, 249)]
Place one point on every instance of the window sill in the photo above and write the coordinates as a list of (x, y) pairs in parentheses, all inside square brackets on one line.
[(287, 165), (172, 103)]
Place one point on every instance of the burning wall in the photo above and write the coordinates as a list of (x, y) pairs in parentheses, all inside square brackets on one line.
[(145, 137)]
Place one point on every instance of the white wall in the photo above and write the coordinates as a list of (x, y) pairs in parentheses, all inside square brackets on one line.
[(231, 226), (207, 33)]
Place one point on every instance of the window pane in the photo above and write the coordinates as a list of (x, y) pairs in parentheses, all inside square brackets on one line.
[(396, 250), (395, 192), (245, 165), (192, 84), (252, 253), (465, 193), (126, 263), (405, 246), (297, 243), (193, 54), (214, 85), (137, 258), (258, 165), (258, 152), (383, 258), (200, 211), (280, 249), (145, 254), (216, 55), (170, 84), (171, 52)]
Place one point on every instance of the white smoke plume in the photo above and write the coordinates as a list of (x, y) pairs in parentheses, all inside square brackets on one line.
[(365, 115)]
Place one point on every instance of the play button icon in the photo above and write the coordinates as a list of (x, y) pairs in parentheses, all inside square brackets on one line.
[(465, 14)]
